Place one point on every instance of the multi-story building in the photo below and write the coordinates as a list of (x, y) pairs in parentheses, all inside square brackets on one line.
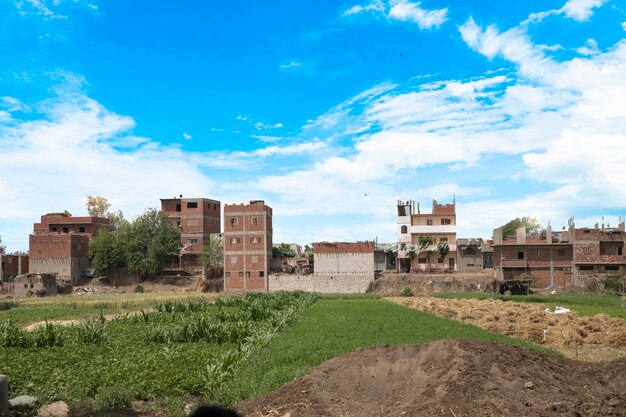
[(439, 226), (60, 244), (247, 246), (197, 219), (559, 258)]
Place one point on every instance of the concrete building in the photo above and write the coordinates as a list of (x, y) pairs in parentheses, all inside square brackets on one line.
[(439, 226), (60, 245), (559, 258), (247, 246), (473, 255), (197, 219)]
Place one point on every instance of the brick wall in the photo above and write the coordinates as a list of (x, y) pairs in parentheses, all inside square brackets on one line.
[(333, 264)]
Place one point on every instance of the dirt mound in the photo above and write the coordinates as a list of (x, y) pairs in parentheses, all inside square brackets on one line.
[(449, 378), (392, 284), (590, 338)]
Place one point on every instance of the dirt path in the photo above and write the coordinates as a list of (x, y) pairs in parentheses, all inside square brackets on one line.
[(449, 378), (589, 338), (72, 322)]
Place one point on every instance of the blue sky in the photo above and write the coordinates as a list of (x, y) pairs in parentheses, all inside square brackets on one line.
[(328, 110)]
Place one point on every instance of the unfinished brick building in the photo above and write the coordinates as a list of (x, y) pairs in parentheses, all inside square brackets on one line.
[(60, 245), (439, 225), (559, 258), (247, 246), (197, 219), (13, 264)]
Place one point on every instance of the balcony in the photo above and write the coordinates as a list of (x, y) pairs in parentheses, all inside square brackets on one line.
[(448, 228)]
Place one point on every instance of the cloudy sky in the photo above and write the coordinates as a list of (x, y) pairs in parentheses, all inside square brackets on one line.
[(331, 111)]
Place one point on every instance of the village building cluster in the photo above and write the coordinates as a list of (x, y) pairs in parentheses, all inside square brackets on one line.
[(426, 242)]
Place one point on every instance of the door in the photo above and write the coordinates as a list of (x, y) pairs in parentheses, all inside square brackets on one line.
[(451, 263)]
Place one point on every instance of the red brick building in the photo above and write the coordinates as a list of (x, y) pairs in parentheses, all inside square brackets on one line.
[(60, 244), (563, 257), (247, 246), (197, 219), (12, 265)]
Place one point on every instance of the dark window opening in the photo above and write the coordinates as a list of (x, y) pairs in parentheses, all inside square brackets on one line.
[(233, 221), (445, 221), (178, 207), (54, 229), (611, 268), (520, 255), (192, 205), (227, 274), (66, 230), (403, 229), (81, 229), (620, 251), (261, 274), (248, 274), (240, 274), (421, 260), (586, 267), (254, 220)]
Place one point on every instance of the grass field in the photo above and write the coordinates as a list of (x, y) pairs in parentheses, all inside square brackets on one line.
[(585, 305), (29, 310), (159, 356)]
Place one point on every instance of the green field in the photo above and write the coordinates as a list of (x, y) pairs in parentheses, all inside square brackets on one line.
[(585, 305), (167, 355)]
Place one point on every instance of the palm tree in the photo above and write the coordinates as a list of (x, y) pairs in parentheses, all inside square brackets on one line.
[(443, 249)]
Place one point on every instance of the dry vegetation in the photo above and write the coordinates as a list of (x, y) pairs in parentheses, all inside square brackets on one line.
[(590, 338)]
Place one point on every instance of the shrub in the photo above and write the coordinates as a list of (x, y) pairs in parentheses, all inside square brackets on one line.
[(139, 288), (613, 284), (407, 291), (6, 305)]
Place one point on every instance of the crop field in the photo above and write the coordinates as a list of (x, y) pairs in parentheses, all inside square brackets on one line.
[(582, 304), (223, 350)]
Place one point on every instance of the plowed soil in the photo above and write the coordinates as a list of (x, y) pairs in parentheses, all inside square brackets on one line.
[(590, 338), (449, 378)]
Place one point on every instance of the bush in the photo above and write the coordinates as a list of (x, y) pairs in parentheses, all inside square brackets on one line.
[(407, 291), (139, 288), (6, 305), (613, 284)]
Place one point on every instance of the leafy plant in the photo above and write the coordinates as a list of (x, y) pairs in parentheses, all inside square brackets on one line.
[(407, 291), (613, 284), (139, 288)]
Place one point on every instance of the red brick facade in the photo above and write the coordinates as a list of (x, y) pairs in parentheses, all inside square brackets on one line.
[(247, 246), (12, 265), (197, 219)]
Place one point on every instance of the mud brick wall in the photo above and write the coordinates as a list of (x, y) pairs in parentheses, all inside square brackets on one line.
[(337, 284)]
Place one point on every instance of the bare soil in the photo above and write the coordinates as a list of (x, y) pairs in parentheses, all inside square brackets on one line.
[(391, 284), (449, 378), (590, 338)]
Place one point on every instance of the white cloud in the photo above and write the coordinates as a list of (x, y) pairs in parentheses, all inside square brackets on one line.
[(187, 136), (590, 48), (51, 9), (624, 25), (412, 12), (581, 10), (304, 67), (290, 65), (402, 10)]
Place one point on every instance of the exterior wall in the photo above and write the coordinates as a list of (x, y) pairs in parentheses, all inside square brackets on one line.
[(61, 223), (12, 265), (342, 258), (247, 246), (31, 285), (65, 255), (469, 262), (340, 284)]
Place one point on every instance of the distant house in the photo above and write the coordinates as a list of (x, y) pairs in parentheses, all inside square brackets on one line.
[(559, 258), (473, 255), (60, 244), (33, 285), (12, 265)]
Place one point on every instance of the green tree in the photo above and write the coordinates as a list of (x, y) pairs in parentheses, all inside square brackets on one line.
[(143, 246), (107, 252), (283, 251), (97, 206), (443, 249), (150, 240), (533, 228), (212, 257)]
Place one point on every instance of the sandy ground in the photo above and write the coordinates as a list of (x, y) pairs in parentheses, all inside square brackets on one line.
[(449, 378), (589, 338)]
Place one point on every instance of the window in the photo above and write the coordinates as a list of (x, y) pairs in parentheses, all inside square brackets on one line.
[(611, 268), (254, 220), (66, 230), (586, 267), (235, 240), (54, 229), (403, 229), (445, 221), (233, 221), (248, 274), (81, 229), (421, 260), (240, 274), (429, 222), (192, 205), (587, 251), (443, 239), (602, 250), (178, 224), (233, 259), (178, 207), (227, 274), (255, 259), (261, 274), (255, 239), (520, 255), (193, 241), (539, 252), (470, 250)]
